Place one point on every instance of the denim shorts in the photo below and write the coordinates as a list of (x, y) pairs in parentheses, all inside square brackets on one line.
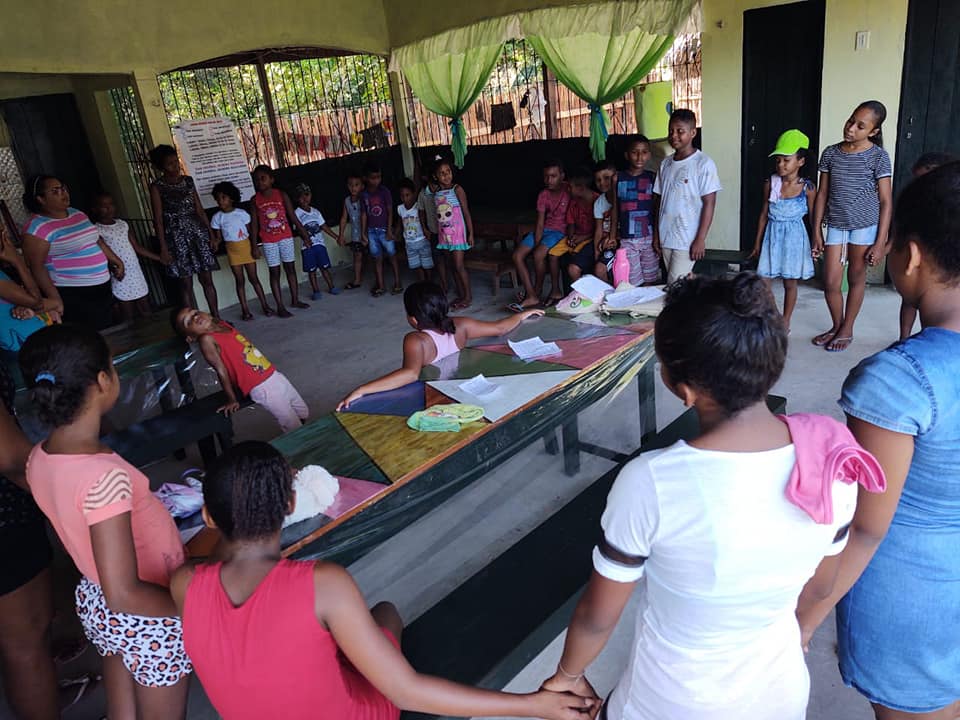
[(549, 239), (314, 258), (277, 252), (419, 254), (860, 236), (379, 243)]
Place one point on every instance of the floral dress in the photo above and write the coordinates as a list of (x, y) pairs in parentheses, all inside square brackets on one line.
[(187, 237)]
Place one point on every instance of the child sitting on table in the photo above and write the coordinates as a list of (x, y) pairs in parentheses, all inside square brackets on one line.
[(578, 248), (604, 210), (294, 639), (240, 366), (435, 336)]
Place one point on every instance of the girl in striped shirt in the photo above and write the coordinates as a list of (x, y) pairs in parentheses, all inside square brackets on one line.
[(855, 201)]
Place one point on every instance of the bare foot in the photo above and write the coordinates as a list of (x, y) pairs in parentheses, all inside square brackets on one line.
[(838, 343), (247, 315), (531, 302), (283, 312), (268, 311), (300, 304)]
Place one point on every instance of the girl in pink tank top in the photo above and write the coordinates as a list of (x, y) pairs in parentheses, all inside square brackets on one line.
[(280, 638), (436, 336)]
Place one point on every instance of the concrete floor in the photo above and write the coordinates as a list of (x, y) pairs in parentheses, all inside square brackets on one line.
[(328, 349)]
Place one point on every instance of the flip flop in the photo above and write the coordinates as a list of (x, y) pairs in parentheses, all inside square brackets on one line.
[(397, 290), (824, 338), (351, 286), (84, 683), (516, 307), (377, 292), (847, 340)]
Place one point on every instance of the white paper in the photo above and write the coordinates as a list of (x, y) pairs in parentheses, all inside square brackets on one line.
[(592, 287), (533, 348), (212, 152), (634, 296), (479, 386)]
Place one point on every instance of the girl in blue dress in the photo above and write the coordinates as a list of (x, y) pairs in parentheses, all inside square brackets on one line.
[(783, 244), (898, 587)]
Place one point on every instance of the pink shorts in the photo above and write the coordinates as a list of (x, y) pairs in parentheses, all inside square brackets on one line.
[(281, 399)]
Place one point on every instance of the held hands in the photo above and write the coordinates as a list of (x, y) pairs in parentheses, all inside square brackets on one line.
[(580, 687), (875, 254), (117, 269), (817, 250), (565, 706), (165, 257), (255, 252)]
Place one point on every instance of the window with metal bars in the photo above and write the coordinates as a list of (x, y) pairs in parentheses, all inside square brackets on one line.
[(523, 101), (134, 142), (319, 107)]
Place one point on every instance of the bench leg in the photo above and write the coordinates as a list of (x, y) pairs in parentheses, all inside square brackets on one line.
[(647, 393), (570, 431), (550, 443)]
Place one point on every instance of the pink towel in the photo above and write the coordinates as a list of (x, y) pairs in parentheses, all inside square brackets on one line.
[(826, 452)]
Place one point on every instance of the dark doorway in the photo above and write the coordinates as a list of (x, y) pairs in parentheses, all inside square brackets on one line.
[(48, 137), (781, 90), (930, 92)]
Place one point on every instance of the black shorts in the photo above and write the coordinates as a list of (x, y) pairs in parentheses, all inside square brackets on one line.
[(586, 259), (25, 553), (89, 306)]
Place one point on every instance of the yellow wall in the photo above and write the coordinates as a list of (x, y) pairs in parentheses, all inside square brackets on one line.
[(848, 78), (99, 36)]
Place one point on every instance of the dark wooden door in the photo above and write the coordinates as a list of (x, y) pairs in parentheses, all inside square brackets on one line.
[(930, 93), (48, 137), (780, 91)]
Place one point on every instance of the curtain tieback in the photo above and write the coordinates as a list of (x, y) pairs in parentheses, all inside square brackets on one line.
[(597, 112)]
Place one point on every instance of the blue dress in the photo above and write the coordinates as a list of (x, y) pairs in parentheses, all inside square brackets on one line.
[(786, 246), (14, 332), (899, 626)]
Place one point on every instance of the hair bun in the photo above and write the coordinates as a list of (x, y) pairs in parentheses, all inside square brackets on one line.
[(749, 295)]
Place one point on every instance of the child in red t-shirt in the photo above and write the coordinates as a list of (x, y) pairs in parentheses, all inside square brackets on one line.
[(241, 367), (577, 251)]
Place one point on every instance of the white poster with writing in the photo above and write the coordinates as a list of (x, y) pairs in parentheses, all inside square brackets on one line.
[(212, 153)]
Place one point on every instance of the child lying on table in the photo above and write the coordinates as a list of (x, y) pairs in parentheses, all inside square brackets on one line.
[(240, 366), (436, 335)]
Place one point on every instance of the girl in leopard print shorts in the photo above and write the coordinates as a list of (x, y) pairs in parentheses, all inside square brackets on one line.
[(121, 538)]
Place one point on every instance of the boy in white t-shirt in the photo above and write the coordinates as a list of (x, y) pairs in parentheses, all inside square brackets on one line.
[(419, 253), (315, 257), (605, 226), (685, 192)]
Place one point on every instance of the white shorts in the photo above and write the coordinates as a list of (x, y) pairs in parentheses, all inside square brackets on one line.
[(678, 263), (277, 252), (281, 399)]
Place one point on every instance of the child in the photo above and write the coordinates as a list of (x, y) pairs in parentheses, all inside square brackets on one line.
[(427, 202), (635, 217), (925, 163), (855, 201), (377, 224), (294, 639), (685, 192), (419, 255), (604, 210), (455, 227), (353, 214), (315, 255), (270, 222), (551, 226), (241, 367), (187, 245), (783, 244), (435, 336), (578, 248), (118, 534), (728, 528), (131, 290), (231, 225)]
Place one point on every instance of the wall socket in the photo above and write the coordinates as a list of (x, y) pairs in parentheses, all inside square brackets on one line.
[(862, 41)]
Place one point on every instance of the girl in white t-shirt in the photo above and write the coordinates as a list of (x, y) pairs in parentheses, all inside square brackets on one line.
[(231, 225), (725, 529)]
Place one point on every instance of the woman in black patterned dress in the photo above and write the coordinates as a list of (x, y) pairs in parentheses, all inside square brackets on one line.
[(187, 243)]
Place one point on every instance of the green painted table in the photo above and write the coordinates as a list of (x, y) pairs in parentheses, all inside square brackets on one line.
[(393, 475)]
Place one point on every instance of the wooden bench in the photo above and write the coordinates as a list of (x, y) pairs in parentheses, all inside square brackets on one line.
[(717, 262), (164, 435), (492, 626), (497, 263)]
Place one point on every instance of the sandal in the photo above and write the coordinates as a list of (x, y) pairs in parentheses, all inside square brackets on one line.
[(83, 685), (352, 286), (823, 338), (397, 289), (377, 292), (831, 347), (516, 307), (247, 316)]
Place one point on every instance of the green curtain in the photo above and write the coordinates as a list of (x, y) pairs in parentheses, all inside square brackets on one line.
[(449, 84), (600, 69)]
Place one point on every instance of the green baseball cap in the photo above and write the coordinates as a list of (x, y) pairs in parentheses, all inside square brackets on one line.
[(790, 142)]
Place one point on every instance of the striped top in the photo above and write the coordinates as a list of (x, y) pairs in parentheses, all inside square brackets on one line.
[(854, 201), (75, 259)]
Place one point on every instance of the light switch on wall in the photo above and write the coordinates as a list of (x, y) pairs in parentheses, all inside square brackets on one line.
[(863, 40)]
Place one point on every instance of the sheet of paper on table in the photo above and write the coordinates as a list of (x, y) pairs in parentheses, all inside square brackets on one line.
[(634, 296), (479, 386), (533, 348), (592, 287)]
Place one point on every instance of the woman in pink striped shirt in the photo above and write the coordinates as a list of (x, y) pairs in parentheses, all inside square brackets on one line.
[(64, 251)]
